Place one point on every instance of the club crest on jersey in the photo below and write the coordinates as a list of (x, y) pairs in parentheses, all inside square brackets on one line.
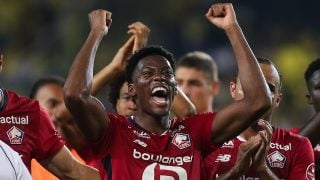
[(141, 143), (276, 159), (15, 135), (181, 140), (228, 144)]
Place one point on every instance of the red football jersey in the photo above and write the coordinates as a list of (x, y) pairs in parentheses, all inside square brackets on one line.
[(290, 156), (27, 128), (99, 163), (317, 160), (316, 151), (138, 154)]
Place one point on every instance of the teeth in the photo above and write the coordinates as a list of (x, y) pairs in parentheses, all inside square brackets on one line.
[(159, 89)]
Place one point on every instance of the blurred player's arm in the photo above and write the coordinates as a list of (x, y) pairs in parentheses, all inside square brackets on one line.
[(182, 106), (65, 166), (139, 38), (311, 130), (239, 115), (88, 111)]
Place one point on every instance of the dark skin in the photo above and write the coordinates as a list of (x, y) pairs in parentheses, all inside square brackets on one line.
[(311, 129), (261, 130), (153, 116)]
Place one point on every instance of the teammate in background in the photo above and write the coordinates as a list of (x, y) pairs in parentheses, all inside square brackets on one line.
[(12, 166), (49, 92), (151, 139), (120, 98), (28, 130), (263, 151), (311, 129), (197, 76)]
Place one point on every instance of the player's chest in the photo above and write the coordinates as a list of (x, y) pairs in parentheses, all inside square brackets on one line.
[(172, 148)]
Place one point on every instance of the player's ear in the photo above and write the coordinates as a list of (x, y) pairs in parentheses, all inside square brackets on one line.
[(278, 100), (309, 98), (233, 87), (215, 88), (131, 90)]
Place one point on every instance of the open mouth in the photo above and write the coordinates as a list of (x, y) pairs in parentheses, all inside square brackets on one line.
[(159, 95)]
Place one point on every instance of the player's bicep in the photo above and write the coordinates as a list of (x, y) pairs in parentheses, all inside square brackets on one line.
[(232, 120), (91, 117)]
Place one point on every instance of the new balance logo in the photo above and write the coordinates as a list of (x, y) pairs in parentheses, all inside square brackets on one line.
[(223, 158), (141, 143)]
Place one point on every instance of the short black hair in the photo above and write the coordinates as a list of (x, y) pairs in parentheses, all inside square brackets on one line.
[(313, 66), (200, 61), (115, 86), (263, 60), (44, 81), (144, 52)]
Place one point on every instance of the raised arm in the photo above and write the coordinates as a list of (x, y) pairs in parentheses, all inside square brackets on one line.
[(139, 38), (88, 112), (236, 117), (311, 130)]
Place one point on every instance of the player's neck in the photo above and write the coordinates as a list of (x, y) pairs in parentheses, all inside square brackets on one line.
[(249, 132), (156, 125), (209, 108)]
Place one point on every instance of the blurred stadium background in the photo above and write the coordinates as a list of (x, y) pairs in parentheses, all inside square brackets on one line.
[(41, 37)]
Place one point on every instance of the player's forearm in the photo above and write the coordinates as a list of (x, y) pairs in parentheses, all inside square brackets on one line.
[(182, 106), (267, 174), (311, 130), (79, 80), (251, 77), (65, 166), (102, 78)]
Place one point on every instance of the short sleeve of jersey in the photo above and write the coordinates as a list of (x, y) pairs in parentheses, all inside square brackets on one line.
[(304, 167), (200, 126), (49, 142)]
